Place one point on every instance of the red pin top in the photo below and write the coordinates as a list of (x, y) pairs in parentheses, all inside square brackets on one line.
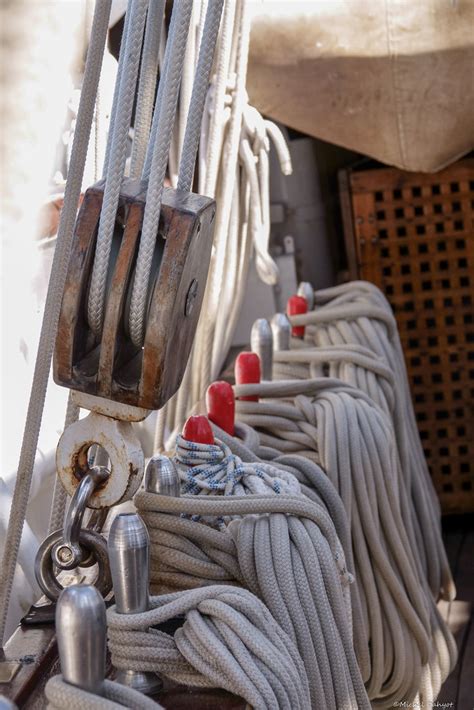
[(247, 371), (220, 402), (297, 305), (198, 429)]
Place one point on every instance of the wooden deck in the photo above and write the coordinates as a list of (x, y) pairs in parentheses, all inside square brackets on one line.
[(458, 691)]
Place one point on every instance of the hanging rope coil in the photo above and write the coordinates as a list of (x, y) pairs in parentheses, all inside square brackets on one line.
[(358, 314), (53, 303), (344, 432)]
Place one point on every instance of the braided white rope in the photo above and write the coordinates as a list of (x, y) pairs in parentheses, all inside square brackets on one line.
[(200, 87), (147, 85), (411, 649), (359, 314), (58, 505), (53, 304), (229, 639), (213, 469), (117, 154), (156, 161), (64, 696), (276, 557)]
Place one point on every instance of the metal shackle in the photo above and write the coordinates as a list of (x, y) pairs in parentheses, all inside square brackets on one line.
[(161, 476), (81, 631), (307, 291), (281, 329), (261, 343), (129, 555)]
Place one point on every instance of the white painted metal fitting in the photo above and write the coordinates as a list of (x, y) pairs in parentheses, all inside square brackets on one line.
[(307, 291), (127, 462), (261, 343), (281, 329)]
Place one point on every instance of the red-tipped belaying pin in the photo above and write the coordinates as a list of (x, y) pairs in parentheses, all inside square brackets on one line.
[(247, 371), (220, 402), (198, 430), (296, 306)]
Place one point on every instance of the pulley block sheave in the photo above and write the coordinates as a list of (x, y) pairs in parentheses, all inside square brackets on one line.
[(111, 366)]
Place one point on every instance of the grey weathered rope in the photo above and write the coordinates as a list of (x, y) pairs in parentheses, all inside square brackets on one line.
[(147, 85), (53, 304), (131, 50), (358, 313), (58, 505), (64, 696), (340, 428), (156, 162), (189, 553), (198, 97), (229, 639)]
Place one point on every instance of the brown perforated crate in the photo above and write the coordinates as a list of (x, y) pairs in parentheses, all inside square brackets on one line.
[(412, 234)]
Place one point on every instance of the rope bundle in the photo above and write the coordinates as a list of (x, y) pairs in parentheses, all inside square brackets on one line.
[(343, 431), (229, 639), (285, 549), (62, 695), (216, 469), (358, 314)]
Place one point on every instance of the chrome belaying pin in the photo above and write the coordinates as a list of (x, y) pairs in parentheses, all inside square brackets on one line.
[(161, 476), (129, 554), (281, 329), (81, 631), (261, 342), (307, 291)]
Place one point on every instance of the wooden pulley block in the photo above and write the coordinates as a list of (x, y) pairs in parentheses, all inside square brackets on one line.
[(112, 366)]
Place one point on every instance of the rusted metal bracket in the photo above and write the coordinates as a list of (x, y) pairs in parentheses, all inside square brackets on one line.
[(113, 367)]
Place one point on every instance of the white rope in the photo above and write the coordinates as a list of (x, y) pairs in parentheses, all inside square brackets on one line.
[(156, 162), (358, 314), (58, 505), (116, 157), (53, 304), (235, 141), (200, 87), (258, 549), (147, 85), (229, 640), (338, 427), (64, 696)]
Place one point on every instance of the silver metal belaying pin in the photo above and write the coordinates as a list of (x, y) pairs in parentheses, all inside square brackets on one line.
[(306, 290), (281, 329), (161, 476), (81, 631), (129, 554), (261, 343)]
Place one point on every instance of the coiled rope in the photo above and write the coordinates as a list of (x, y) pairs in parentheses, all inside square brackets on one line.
[(229, 639), (62, 695), (285, 549), (358, 314), (339, 428)]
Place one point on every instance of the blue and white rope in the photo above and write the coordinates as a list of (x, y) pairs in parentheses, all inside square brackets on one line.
[(213, 468)]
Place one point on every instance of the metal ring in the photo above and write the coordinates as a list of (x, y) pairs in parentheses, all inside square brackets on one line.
[(45, 568)]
